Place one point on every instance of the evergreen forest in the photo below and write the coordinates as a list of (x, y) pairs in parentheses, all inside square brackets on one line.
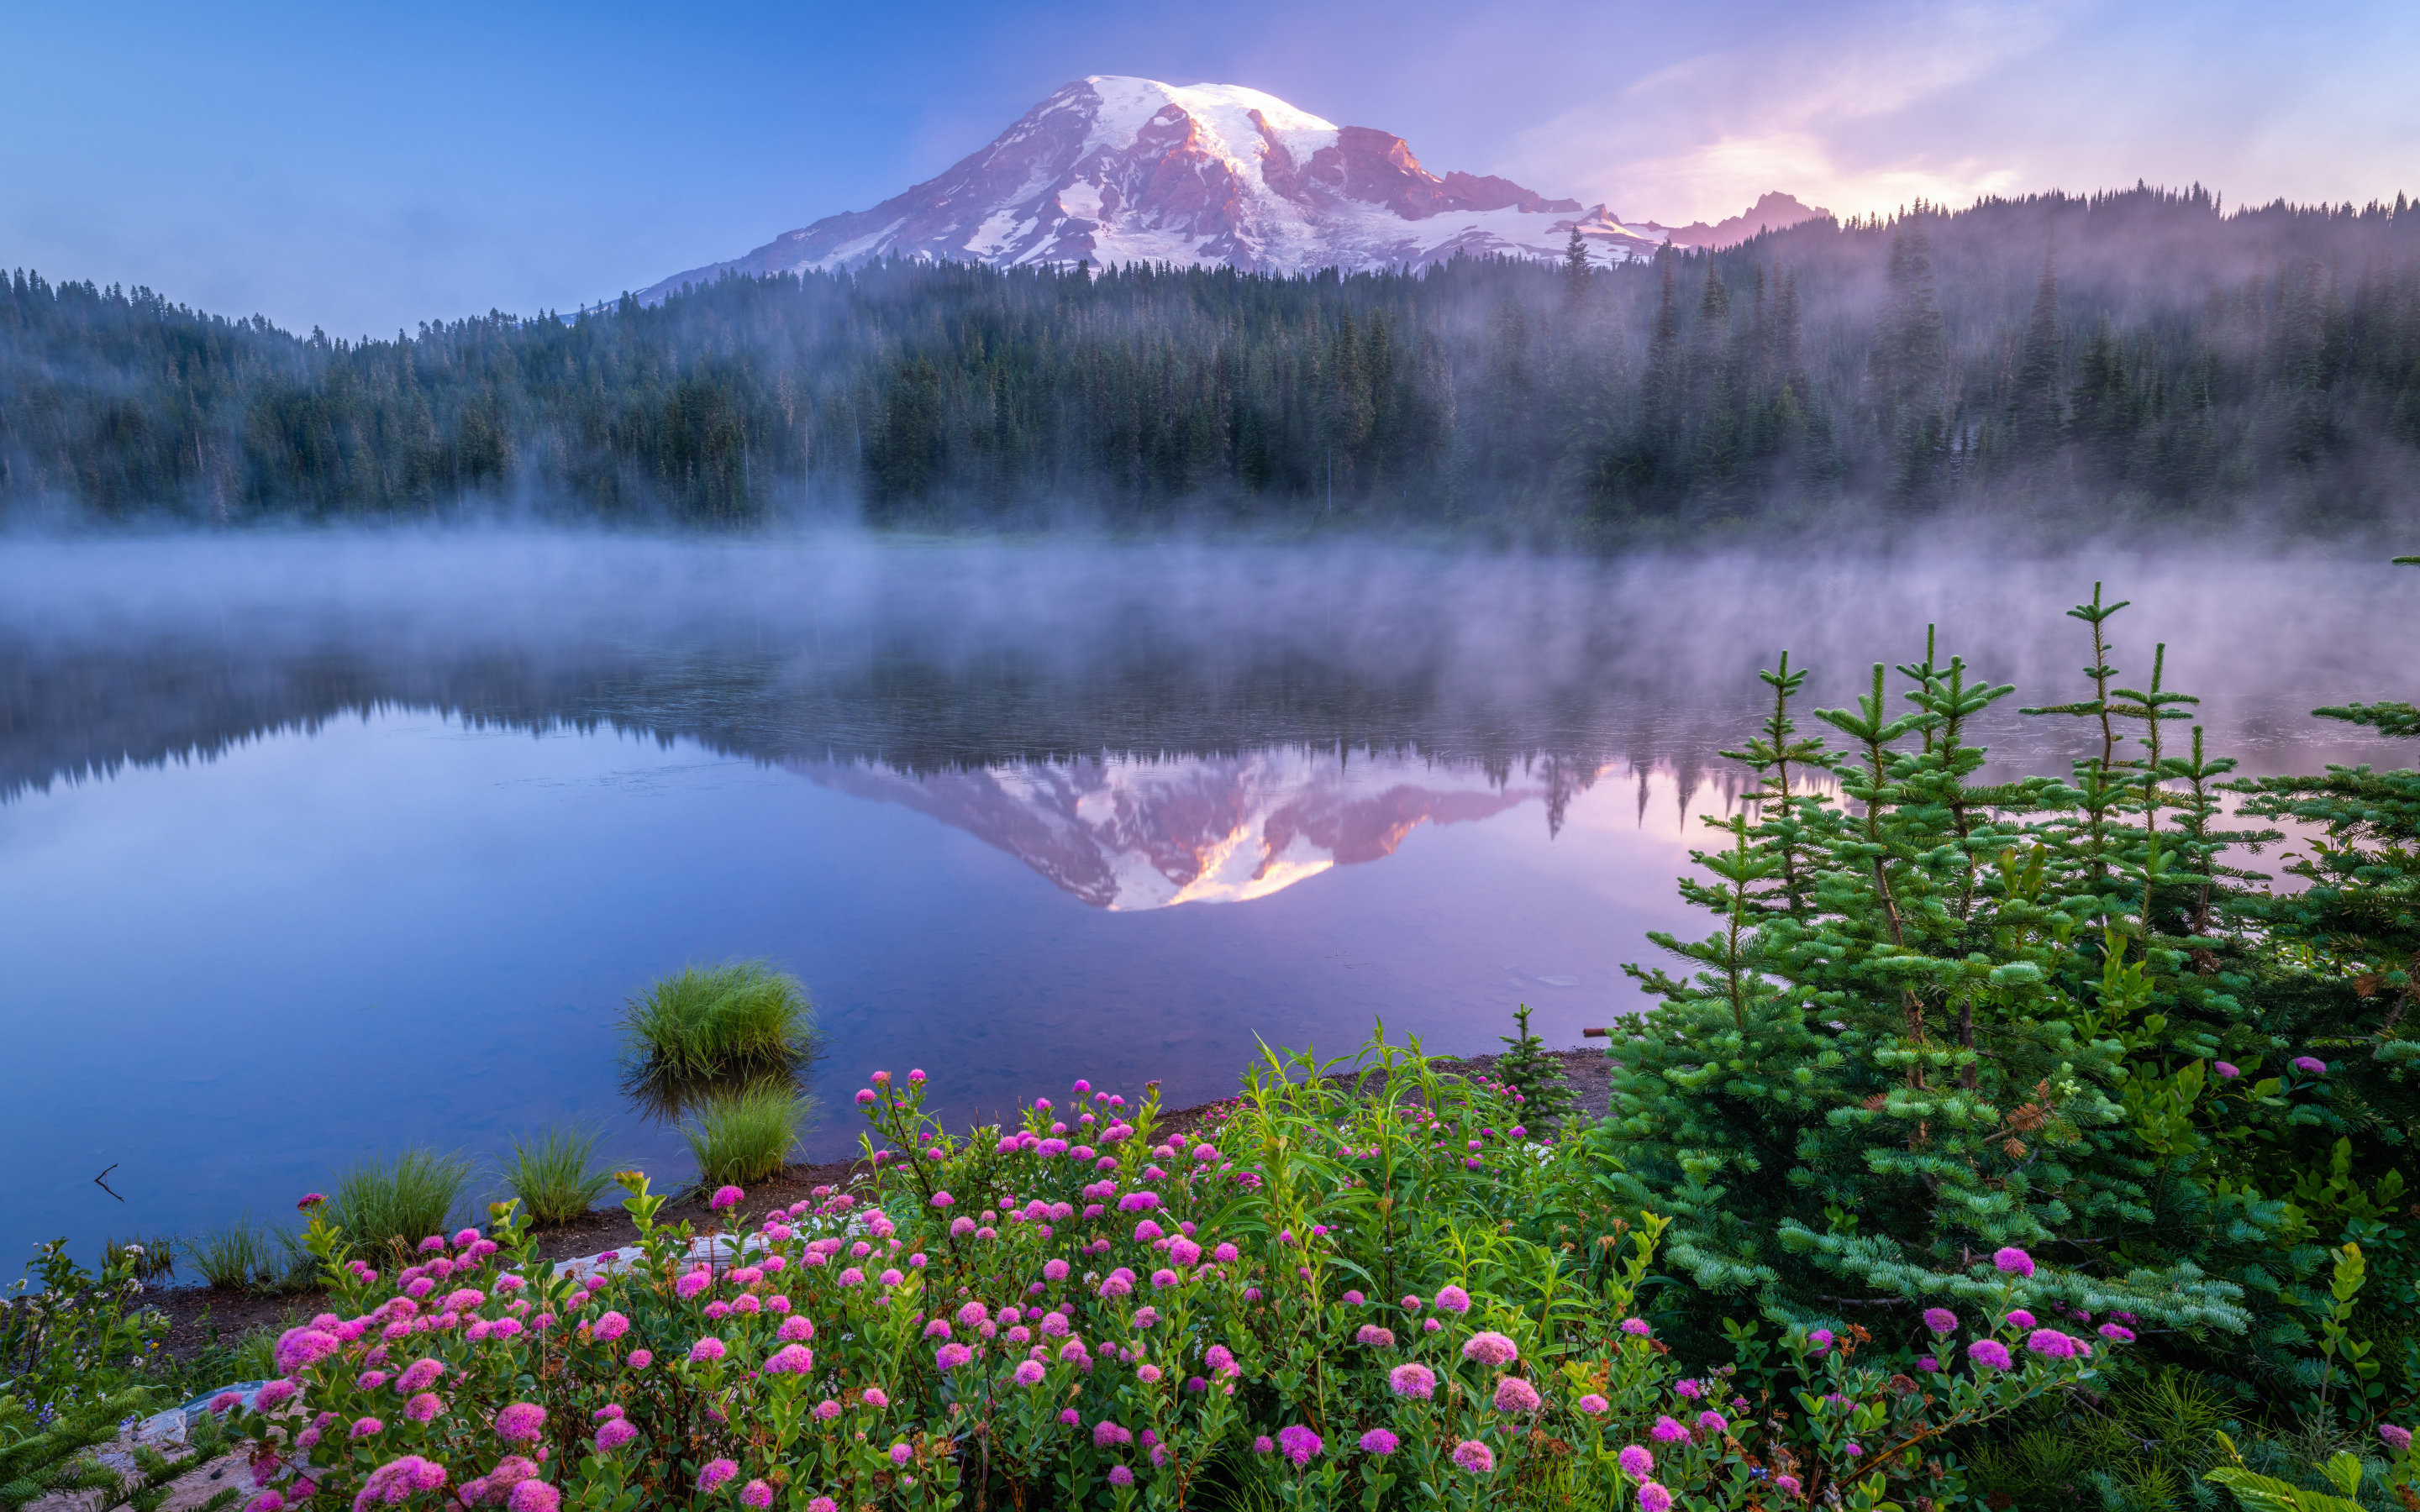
[(2142, 351)]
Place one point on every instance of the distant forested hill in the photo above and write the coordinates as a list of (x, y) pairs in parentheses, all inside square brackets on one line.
[(2140, 350)]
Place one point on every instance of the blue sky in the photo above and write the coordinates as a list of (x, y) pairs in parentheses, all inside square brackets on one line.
[(365, 168)]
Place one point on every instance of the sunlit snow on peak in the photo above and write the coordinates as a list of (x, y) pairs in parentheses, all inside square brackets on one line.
[(1113, 170), (1221, 112)]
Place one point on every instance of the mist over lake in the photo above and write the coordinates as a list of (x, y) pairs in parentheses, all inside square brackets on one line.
[(316, 845)]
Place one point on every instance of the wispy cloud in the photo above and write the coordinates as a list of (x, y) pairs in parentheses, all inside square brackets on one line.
[(1818, 110)]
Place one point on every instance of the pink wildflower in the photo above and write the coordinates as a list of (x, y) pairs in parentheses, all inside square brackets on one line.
[(298, 1349), (715, 1474), (1380, 1442), (2052, 1343), (1515, 1395), (1454, 1300), (613, 1433), (1490, 1349), (1474, 1457), (1414, 1381), (1941, 1319), (2013, 1262), (726, 1196), (534, 1495), (1299, 1444), (1638, 1461), (708, 1347), (520, 1421)]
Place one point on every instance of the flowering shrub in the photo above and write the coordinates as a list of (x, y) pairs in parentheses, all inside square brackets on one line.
[(1319, 1295)]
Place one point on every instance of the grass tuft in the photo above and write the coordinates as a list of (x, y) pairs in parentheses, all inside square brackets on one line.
[(747, 1136), (249, 1256), (555, 1174), (715, 1021), (381, 1202), (146, 1259)]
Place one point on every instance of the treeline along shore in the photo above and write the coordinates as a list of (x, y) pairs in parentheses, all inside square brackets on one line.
[(2146, 349)]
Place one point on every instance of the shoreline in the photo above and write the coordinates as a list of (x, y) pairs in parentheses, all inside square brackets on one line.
[(195, 1311)]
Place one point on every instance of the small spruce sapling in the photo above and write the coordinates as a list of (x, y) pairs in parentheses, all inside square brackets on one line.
[(1529, 1069)]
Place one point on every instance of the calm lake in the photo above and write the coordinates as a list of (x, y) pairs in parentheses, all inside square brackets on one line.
[(315, 846)]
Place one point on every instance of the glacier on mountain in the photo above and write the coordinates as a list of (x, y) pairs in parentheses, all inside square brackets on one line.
[(1114, 170)]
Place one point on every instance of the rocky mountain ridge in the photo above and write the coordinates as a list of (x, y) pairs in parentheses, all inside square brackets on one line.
[(1113, 170)]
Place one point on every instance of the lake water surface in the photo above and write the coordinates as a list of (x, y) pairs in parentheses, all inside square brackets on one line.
[(315, 846)]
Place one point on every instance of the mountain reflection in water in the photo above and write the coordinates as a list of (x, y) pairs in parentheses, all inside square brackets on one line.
[(1124, 832), (372, 835)]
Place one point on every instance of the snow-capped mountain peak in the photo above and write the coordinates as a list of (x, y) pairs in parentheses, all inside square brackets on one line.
[(1114, 170), (1238, 124)]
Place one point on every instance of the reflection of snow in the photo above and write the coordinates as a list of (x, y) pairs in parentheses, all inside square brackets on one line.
[(1125, 833)]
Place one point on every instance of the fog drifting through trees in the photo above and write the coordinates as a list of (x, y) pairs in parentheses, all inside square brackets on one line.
[(2052, 358)]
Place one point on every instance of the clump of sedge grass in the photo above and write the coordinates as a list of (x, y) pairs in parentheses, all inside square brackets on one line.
[(555, 1174), (381, 1202), (144, 1259), (230, 1259), (716, 1020), (249, 1256), (747, 1136)]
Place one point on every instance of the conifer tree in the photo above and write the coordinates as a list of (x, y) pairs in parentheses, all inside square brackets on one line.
[(1910, 364), (2034, 388), (1941, 1017), (1874, 1081)]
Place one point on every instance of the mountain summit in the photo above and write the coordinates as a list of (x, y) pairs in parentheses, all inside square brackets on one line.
[(1121, 170)]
